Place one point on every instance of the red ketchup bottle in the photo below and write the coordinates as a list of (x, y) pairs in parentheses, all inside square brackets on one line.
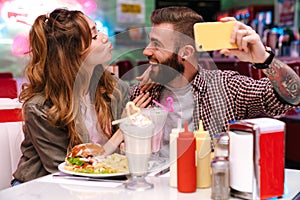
[(186, 161)]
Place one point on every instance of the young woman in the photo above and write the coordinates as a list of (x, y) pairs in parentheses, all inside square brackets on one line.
[(69, 98)]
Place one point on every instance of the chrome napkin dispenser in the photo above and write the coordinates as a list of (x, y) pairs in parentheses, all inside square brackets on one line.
[(256, 155)]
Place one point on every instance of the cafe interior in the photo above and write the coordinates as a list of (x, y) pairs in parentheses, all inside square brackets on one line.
[(126, 22)]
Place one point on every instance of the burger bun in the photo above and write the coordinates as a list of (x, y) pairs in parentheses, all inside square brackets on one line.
[(86, 150)]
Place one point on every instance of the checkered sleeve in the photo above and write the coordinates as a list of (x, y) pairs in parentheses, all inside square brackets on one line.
[(134, 91), (253, 97)]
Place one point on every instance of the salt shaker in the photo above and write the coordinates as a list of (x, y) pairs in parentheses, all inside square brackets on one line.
[(220, 188), (220, 178)]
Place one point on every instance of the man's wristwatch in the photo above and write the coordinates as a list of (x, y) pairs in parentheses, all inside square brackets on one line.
[(267, 62)]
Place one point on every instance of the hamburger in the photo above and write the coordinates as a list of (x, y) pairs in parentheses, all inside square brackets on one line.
[(90, 158)]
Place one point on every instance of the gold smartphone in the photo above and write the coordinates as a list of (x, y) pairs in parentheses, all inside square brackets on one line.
[(210, 36)]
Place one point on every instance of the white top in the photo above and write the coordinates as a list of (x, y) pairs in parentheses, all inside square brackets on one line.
[(91, 122)]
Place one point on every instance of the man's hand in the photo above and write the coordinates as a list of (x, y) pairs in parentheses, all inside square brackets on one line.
[(250, 46)]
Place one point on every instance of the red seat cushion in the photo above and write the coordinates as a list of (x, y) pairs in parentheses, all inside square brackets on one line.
[(8, 88), (11, 115), (6, 75)]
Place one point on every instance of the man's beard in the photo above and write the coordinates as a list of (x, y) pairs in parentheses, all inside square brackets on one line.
[(168, 70)]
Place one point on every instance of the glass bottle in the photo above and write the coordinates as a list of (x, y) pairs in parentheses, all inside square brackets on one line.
[(220, 178), (220, 189)]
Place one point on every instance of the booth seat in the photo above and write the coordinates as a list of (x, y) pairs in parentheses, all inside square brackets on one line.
[(126, 70), (11, 136), (6, 75), (8, 88), (292, 139)]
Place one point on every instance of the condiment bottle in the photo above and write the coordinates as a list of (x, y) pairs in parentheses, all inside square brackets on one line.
[(173, 154), (220, 179), (203, 157), (220, 188), (186, 162)]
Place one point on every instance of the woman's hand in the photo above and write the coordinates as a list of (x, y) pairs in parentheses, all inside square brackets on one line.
[(143, 100), (122, 148), (113, 143), (250, 46)]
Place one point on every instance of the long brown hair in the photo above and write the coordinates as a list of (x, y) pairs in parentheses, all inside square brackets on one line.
[(58, 43)]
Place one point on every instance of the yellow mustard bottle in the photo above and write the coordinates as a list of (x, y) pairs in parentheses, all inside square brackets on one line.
[(203, 157)]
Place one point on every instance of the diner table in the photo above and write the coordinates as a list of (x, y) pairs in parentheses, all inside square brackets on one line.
[(52, 187)]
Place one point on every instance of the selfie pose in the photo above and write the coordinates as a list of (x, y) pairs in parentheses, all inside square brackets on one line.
[(213, 96)]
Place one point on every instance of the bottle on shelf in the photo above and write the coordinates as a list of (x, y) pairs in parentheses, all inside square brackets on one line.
[(203, 147), (186, 161)]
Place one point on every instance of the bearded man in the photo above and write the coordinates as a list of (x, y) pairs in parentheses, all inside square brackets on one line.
[(216, 97)]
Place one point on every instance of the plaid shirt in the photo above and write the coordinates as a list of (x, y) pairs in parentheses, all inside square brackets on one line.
[(224, 96)]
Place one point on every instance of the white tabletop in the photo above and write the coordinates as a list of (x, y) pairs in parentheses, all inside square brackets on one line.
[(57, 188)]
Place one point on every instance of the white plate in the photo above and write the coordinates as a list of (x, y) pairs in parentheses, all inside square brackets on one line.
[(61, 167)]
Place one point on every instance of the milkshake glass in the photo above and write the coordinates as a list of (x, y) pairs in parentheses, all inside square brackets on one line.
[(158, 117), (138, 150)]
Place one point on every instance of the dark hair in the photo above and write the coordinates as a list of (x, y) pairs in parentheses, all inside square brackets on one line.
[(182, 18)]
